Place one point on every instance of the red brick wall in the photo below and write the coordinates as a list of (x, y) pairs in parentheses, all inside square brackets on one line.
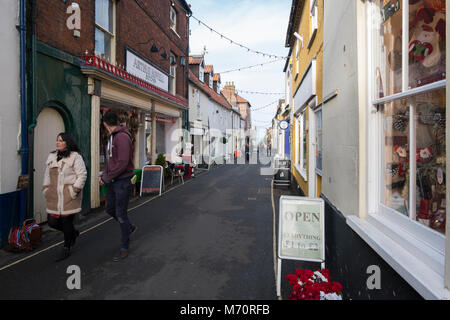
[(137, 27), (51, 26)]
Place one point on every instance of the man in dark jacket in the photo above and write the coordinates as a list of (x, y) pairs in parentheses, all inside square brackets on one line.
[(117, 176)]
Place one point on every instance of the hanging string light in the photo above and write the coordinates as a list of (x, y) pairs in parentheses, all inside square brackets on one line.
[(266, 106), (249, 67), (256, 92), (236, 43)]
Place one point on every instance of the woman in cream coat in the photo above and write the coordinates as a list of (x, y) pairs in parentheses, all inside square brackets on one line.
[(64, 179)]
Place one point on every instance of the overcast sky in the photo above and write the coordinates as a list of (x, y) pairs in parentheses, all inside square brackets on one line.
[(258, 25)]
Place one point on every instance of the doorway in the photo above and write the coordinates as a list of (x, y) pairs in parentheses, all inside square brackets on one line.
[(49, 125)]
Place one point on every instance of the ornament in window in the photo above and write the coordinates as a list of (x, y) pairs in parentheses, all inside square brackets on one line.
[(400, 123)]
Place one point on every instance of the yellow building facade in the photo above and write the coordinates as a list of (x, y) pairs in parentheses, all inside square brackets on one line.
[(305, 38)]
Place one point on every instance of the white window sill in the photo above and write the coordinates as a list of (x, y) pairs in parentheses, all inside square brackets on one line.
[(425, 278), (301, 172)]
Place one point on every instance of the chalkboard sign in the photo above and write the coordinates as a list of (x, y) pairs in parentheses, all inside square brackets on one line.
[(152, 179)]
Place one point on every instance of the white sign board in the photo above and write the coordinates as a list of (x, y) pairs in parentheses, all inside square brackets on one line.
[(307, 89), (301, 229), (301, 234), (145, 71)]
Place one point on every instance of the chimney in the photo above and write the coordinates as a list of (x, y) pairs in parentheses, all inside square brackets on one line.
[(229, 92), (216, 82)]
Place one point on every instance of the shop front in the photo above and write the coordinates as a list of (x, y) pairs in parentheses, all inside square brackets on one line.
[(152, 115), (406, 183)]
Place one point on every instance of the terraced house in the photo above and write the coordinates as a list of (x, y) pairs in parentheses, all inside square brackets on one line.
[(89, 57)]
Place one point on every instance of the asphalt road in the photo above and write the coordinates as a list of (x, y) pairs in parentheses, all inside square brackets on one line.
[(209, 239)]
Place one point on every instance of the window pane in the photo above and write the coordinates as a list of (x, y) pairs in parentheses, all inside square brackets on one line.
[(388, 48), (426, 42), (102, 43), (396, 155), (319, 139), (103, 14), (430, 155), (304, 140)]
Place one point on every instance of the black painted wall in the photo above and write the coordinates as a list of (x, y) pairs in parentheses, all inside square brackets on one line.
[(348, 256)]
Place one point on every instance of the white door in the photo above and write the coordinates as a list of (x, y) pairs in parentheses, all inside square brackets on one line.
[(49, 125)]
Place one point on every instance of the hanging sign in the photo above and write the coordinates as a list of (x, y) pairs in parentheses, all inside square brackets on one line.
[(283, 125)]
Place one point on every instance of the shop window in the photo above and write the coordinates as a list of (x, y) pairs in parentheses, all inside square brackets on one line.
[(421, 156), (413, 166), (319, 141), (425, 50), (304, 142), (388, 57), (426, 43), (104, 29), (300, 145)]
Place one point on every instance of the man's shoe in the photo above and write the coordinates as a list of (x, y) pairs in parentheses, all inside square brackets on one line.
[(64, 254), (122, 254)]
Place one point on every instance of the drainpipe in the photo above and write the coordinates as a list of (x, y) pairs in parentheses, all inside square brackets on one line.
[(23, 106)]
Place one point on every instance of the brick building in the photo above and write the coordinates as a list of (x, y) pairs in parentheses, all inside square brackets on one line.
[(93, 56), (241, 104)]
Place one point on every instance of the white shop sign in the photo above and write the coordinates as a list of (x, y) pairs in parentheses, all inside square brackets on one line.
[(301, 234), (307, 88), (145, 71)]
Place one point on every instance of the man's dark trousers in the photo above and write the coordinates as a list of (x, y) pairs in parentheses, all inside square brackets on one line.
[(117, 206)]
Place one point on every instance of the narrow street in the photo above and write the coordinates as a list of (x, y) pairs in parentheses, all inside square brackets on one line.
[(211, 238)]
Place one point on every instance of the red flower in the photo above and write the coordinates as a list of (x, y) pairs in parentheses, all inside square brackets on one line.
[(336, 287), (292, 278), (311, 285)]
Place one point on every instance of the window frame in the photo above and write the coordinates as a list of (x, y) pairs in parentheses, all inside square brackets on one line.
[(112, 35), (201, 73), (406, 93), (173, 22), (316, 111), (313, 14), (172, 75), (300, 157), (415, 251)]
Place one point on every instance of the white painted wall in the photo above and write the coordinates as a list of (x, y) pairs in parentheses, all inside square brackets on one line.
[(340, 115), (10, 161)]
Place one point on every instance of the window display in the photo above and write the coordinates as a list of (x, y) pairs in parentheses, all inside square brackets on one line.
[(426, 45), (426, 42), (396, 155), (430, 158), (304, 140), (389, 48), (420, 194)]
